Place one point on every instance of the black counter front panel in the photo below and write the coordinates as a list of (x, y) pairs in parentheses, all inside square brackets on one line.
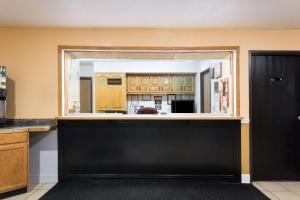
[(149, 149)]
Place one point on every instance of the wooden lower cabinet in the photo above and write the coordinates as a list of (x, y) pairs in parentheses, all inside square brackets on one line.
[(13, 161)]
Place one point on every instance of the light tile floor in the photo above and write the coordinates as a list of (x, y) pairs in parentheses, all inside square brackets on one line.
[(279, 190), (274, 190), (35, 191)]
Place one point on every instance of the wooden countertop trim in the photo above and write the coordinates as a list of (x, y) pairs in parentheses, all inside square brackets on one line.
[(13, 130), (26, 128), (41, 128), (147, 117)]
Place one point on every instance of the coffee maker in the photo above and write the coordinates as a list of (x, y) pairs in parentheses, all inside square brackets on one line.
[(3, 95)]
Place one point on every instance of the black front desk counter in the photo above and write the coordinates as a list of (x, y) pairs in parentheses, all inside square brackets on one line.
[(104, 148)]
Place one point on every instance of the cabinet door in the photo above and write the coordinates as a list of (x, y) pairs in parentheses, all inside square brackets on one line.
[(17, 137), (144, 84), (189, 83), (117, 76), (132, 84), (165, 83), (177, 83), (154, 84), (14, 166), (102, 97), (118, 93), (117, 101), (101, 79)]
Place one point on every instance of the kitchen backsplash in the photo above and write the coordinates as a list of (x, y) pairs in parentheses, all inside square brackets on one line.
[(136, 101)]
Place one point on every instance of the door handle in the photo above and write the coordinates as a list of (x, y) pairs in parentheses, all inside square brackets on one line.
[(275, 79)]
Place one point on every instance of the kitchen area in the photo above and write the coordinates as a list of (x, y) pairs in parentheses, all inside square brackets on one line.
[(148, 84), (156, 91)]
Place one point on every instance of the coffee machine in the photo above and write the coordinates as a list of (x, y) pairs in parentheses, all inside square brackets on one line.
[(3, 95)]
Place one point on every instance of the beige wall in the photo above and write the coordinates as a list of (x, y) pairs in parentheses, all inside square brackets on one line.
[(31, 58), (245, 147)]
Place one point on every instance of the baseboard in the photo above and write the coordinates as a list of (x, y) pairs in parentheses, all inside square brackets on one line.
[(43, 179), (245, 121), (246, 178), (13, 193), (54, 179)]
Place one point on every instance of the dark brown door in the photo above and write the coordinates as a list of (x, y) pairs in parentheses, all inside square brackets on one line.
[(205, 92), (86, 95), (274, 110)]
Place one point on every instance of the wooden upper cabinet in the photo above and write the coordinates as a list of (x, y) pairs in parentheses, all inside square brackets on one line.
[(189, 83), (117, 76), (132, 84), (160, 83), (110, 92), (101, 79), (102, 92), (144, 84), (137, 83), (154, 83), (165, 83), (177, 83)]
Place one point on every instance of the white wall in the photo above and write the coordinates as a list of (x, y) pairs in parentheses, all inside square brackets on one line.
[(164, 107), (86, 69), (43, 157), (146, 66), (74, 85), (204, 65), (225, 73)]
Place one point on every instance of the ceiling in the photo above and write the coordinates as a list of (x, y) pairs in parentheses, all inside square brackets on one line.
[(150, 13)]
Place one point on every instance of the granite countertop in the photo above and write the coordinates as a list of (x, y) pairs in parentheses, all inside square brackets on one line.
[(31, 125)]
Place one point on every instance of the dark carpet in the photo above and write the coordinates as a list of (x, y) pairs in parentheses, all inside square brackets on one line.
[(159, 190)]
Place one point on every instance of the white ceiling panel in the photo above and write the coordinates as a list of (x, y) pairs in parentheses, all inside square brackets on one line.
[(150, 13)]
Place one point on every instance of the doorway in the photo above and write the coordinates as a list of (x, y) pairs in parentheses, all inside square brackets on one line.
[(274, 115), (205, 91), (86, 100)]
